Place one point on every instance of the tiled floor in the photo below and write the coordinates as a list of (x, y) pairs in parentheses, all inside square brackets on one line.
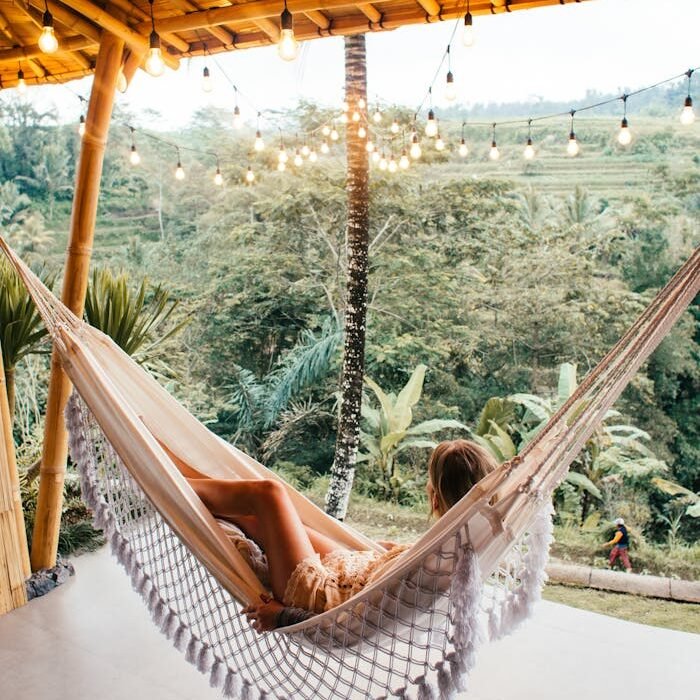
[(92, 639)]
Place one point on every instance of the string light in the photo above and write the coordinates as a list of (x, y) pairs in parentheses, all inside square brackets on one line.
[(529, 152), (237, 118), (21, 83), (250, 176), (392, 167), (305, 151), (334, 134), (377, 116), (298, 160), (281, 166), (282, 156), (179, 171), (47, 40), (383, 164), (403, 161), (624, 136), (572, 148), (415, 149), (343, 118), (463, 149), (687, 114), (356, 116), (361, 131), (207, 85), (494, 153), (450, 90), (431, 127), (313, 156), (361, 103), (369, 146), (468, 36), (154, 61), (134, 157), (395, 128), (288, 47), (326, 130), (325, 148), (258, 144), (439, 143), (375, 156), (218, 177), (81, 126)]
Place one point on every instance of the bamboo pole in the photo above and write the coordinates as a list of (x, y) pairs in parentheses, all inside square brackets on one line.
[(14, 557), (53, 461)]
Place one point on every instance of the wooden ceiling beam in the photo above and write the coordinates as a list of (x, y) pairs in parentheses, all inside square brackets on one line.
[(18, 53), (223, 35), (319, 19), (370, 11), (36, 68), (69, 19), (430, 6), (53, 78), (114, 26), (269, 28)]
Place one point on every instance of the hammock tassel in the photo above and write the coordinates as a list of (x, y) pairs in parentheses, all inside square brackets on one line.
[(217, 676), (193, 649), (425, 690), (232, 685), (182, 637), (205, 659), (447, 690)]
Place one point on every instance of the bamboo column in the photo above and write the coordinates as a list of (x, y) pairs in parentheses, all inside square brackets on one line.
[(87, 188), (14, 558)]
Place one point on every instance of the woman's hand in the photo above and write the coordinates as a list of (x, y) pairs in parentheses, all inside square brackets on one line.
[(263, 617), (386, 544)]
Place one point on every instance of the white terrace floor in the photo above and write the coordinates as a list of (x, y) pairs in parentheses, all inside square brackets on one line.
[(92, 639)]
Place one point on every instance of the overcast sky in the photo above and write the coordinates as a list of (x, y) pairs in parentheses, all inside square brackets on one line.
[(556, 52)]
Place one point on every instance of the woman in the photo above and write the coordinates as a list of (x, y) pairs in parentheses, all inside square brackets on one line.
[(309, 571)]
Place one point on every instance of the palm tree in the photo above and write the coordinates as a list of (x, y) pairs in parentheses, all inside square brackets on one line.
[(21, 330), (343, 469)]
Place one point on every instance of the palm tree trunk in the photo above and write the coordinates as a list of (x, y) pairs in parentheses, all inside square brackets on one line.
[(343, 470)]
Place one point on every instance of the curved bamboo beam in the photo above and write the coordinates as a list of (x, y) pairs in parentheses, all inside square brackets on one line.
[(53, 460)]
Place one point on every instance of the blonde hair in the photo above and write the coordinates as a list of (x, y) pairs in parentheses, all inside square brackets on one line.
[(454, 467)]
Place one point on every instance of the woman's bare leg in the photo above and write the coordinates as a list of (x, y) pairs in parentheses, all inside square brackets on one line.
[(280, 530)]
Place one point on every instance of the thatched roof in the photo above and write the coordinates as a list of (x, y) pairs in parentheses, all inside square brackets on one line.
[(196, 27)]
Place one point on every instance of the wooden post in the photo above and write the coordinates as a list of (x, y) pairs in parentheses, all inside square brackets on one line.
[(14, 558), (53, 460)]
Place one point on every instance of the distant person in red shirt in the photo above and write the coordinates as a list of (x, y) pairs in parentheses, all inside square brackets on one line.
[(621, 543)]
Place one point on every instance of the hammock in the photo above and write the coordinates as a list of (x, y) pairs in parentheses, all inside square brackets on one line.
[(415, 630)]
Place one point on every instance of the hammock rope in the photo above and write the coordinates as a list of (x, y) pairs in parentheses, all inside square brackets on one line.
[(413, 632)]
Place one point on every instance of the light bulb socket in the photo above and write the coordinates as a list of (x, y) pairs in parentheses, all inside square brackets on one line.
[(493, 144), (431, 115), (257, 134), (286, 19), (415, 138), (236, 111), (205, 72), (468, 19), (154, 40), (572, 136), (82, 119), (450, 77), (529, 140), (133, 149), (623, 123), (47, 20), (464, 143), (20, 74), (689, 101)]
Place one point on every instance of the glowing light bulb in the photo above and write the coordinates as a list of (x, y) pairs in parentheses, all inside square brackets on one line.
[(688, 115), (334, 135), (494, 153), (624, 136), (122, 83), (288, 46), (325, 148), (207, 84), (361, 131), (529, 152), (81, 126), (134, 157), (305, 151), (395, 126), (313, 156), (383, 163), (375, 156), (463, 149), (356, 116), (361, 103), (47, 40), (346, 105), (282, 156), (326, 130), (572, 148), (468, 36), (392, 167), (21, 83), (218, 178), (415, 148), (259, 144), (450, 89), (377, 117), (237, 118), (281, 166), (179, 172), (154, 61), (431, 127), (439, 143), (369, 146), (298, 160), (250, 176), (403, 161), (343, 118)]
